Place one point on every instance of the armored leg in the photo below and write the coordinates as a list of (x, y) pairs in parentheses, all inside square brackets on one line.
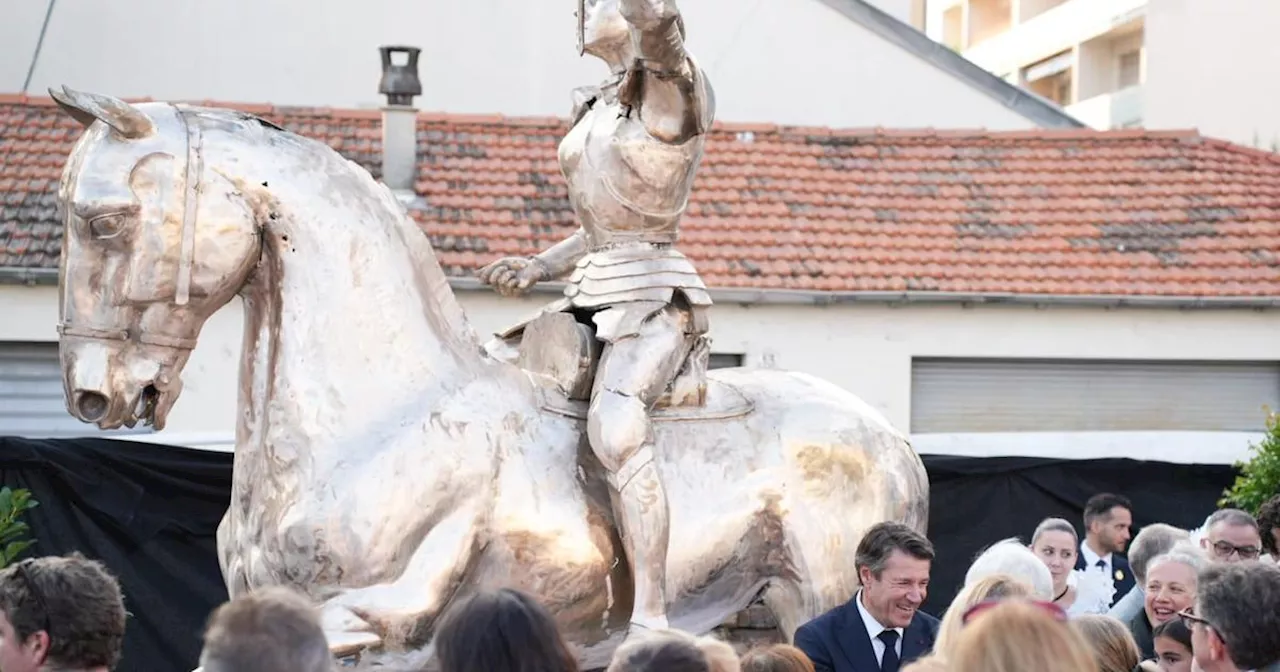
[(632, 374)]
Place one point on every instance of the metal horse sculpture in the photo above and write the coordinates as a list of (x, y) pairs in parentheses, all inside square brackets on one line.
[(387, 464)]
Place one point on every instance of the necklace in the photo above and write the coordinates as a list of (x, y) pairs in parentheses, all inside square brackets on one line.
[(1064, 592)]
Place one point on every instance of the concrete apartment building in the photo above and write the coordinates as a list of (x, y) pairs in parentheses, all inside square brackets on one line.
[(1157, 64)]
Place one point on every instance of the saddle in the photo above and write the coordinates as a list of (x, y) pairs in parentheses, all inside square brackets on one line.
[(559, 348)]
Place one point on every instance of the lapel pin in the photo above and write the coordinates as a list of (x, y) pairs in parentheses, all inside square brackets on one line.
[(1119, 575)]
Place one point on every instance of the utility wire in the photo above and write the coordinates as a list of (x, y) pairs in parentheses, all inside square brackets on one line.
[(35, 57), (733, 38)]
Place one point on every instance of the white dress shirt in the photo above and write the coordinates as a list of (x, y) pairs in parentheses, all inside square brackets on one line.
[(874, 629), (1091, 559)]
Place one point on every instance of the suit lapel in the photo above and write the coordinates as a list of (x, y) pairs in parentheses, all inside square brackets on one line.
[(913, 640), (854, 641)]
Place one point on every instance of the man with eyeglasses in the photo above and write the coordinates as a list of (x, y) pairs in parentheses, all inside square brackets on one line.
[(61, 613), (1235, 625), (1231, 535)]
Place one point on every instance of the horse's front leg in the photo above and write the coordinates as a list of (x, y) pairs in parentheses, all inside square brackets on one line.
[(402, 613)]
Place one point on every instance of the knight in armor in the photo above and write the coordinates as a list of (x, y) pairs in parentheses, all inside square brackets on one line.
[(629, 159)]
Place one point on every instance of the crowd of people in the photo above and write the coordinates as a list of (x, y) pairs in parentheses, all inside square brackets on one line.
[(1178, 600)]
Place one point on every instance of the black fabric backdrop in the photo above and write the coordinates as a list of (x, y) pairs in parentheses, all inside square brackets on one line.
[(150, 512)]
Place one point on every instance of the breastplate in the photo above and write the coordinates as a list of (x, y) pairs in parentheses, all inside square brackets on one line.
[(629, 192), (624, 185)]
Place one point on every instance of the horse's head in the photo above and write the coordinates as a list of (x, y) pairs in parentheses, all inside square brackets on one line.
[(154, 242)]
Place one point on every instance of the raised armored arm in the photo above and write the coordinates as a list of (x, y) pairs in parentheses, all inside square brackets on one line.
[(561, 257), (663, 83), (656, 30)]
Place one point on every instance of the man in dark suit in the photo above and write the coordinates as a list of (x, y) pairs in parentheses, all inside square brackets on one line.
[(1107, 520), (881, 629)]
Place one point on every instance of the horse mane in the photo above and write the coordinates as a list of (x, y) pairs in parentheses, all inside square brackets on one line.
[(442, 307)]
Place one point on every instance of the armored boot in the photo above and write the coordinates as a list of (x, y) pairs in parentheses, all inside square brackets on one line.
[(643, 522)]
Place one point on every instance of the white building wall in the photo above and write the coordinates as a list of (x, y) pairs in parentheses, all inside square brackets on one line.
[(1211, 65), (795, 62), (867, 349)]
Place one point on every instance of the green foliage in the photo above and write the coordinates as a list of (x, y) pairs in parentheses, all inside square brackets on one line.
[(1259, 478), (13, 503)]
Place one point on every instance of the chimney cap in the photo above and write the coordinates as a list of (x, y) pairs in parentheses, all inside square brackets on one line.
[(400, 82)]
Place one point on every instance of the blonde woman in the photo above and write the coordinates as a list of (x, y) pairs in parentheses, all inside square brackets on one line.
[(1019, 635), (1113, 647), (927, 664), (991, 587)]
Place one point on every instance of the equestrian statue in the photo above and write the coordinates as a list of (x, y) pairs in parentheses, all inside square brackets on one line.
[(388, 461)]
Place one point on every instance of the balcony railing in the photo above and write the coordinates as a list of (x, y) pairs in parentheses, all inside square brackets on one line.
[(1117, 109), (1059, 28)]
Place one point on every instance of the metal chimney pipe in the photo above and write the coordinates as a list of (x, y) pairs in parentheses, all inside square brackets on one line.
[(400, 84)]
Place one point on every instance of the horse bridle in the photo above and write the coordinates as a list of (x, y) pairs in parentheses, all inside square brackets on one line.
[(186, 258)]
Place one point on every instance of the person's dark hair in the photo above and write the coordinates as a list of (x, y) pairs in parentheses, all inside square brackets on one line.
[(75, 600), (1268, 520), (883, 539), (270, 629), (1174, 629), (501, 631), (1241, 602), (1101, 504)]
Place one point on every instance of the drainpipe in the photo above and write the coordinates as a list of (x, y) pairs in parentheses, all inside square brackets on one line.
[(400, 84)]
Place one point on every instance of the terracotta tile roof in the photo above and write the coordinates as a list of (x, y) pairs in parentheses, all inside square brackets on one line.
[(1072, 212)]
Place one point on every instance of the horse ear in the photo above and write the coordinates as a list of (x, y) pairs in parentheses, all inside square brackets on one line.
[(126, 119)]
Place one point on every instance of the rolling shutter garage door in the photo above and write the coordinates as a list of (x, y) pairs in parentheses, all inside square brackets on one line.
[(31, 403), (990, 395)]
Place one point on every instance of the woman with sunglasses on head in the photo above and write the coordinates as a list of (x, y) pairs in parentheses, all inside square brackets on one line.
[(1017, 636), (993, 587)]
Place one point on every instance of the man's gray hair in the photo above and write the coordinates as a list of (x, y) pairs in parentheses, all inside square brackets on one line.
[(1152, 540), (1230, 518), (1241, 602), (269, 630), (1011, 558), (1183, 553)]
